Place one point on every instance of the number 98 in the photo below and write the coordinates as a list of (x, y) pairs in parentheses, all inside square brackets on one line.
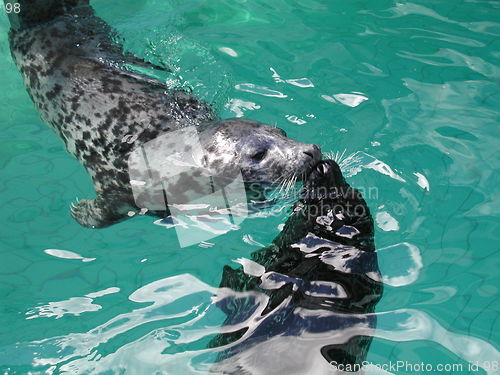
[(12, 7)]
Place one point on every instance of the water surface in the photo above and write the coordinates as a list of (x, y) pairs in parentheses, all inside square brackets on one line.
[(408, 92)]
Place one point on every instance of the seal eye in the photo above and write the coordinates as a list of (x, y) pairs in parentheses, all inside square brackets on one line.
[(279, 131), (259, 155)]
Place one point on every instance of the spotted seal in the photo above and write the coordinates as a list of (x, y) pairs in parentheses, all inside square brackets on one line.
[(321, 280), (82, 84)]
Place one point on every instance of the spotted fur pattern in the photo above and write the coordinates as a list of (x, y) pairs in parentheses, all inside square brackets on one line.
[(74, 72)]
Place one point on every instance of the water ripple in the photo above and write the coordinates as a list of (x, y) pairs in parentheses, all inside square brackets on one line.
[(181, 311)]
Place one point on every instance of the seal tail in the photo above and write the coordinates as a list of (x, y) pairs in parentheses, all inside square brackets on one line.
[(35, 12)]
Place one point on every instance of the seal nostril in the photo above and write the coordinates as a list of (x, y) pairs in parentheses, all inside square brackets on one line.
[(309, 154), (314, 152)]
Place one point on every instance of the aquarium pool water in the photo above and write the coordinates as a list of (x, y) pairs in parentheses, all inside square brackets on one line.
[(405, 94)]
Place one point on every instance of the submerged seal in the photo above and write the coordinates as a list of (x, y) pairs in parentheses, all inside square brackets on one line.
[(321, 280), (83, 85)]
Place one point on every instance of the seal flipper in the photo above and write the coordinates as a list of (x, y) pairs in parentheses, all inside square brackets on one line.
[(98, 212)]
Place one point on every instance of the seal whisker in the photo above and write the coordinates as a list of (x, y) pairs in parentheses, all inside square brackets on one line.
[(296, 189), (287, 186), (291, 184), (283, 184), (277, 180), (284, 180), (294, 181), (342, 155)]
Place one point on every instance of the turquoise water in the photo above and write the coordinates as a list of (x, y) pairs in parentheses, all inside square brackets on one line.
[(407, 92)]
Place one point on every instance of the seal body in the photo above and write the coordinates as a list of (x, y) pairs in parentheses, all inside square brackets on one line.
[(321, 282), (81, 83)]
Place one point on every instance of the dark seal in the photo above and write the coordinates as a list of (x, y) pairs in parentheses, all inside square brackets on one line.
[(85, 86), (321, 280)]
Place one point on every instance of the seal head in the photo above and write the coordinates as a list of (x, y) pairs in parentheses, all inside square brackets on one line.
[(262, 153)]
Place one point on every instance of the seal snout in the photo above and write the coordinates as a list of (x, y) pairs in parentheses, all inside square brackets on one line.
[(314, 152), (327, 173), (313, 155), (323, 168)]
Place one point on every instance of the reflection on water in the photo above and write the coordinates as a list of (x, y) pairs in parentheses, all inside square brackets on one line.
[(65, 254), (354, 163), (400, 264), (182, 325), (182, 312), (311, 293), (259, 320), (73, 306)]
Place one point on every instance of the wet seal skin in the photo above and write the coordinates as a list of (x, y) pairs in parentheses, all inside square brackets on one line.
[(77, 75), (321, 278)]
